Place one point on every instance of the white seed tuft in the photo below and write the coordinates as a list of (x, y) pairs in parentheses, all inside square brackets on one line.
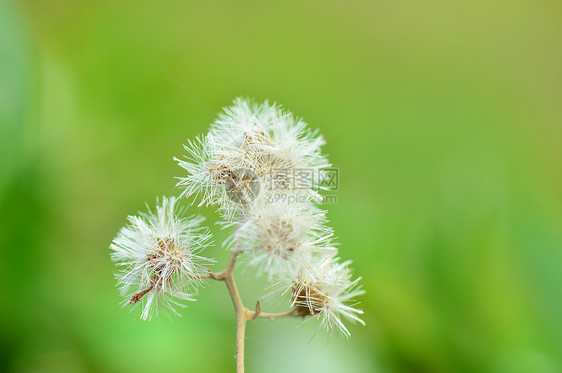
[(158, 257)]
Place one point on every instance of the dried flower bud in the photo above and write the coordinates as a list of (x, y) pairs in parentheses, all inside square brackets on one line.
[(323, 289)]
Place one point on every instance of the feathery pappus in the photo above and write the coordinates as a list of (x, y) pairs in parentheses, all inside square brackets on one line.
[(276, 238), (324, 289), (158, 254), (251, 150)]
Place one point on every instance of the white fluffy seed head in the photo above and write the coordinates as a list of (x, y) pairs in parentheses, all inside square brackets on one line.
[(267, 133), (158, 258), (323, 288), (277, 238), (252, 151)]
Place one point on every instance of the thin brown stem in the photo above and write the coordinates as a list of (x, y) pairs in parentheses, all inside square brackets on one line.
[(138, 296), (241, 319), (242, 313), (272, 316), (208, 275)]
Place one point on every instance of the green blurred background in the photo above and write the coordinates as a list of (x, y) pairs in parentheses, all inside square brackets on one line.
[(450, 176)]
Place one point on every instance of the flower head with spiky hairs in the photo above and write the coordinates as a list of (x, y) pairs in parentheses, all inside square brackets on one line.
[(251, 150), (276, 238), (158, 254), (323, 289)]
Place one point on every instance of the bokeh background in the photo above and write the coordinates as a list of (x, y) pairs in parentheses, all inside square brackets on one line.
[(449, 199)]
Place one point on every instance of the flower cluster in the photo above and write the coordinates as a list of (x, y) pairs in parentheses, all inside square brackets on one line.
[(251, 154), (237, 166)]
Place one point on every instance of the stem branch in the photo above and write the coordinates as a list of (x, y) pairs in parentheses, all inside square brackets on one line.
[(272, 316), (242, 313)]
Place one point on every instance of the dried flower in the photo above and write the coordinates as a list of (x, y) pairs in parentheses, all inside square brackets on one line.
[(277, 237), (158, 254), (323, 289), (251, 150)]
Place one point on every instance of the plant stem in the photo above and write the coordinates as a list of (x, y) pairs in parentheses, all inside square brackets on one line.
[(272, 316), (240, 335), (242, 313)]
